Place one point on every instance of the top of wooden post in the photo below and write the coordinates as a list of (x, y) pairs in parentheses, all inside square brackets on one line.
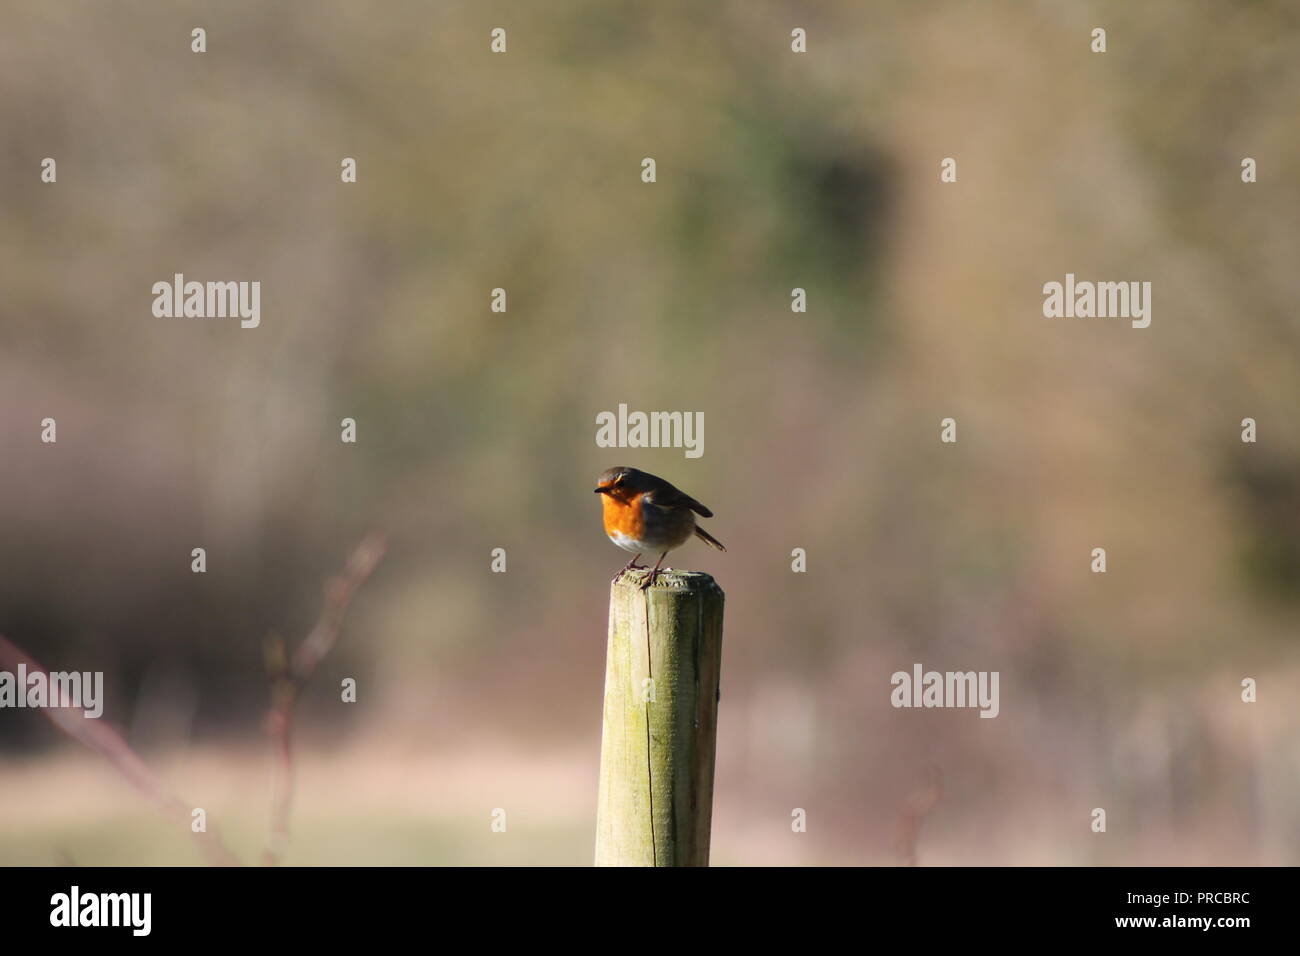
[(671, 580)]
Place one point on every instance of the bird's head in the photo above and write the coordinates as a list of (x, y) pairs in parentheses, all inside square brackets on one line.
[(623, 483)]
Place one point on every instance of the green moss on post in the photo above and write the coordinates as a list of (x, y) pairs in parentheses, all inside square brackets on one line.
[(661, 720)]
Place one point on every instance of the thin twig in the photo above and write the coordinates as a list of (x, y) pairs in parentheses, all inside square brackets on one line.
[(916, 808), (289, 677)]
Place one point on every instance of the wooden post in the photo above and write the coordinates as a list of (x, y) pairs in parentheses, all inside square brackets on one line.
[(661, 721)]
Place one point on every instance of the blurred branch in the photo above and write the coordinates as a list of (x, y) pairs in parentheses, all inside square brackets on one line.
[(104, 740), (916, 808), (289, 676)]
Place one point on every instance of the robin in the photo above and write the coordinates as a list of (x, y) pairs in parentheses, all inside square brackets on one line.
[(645, 513)]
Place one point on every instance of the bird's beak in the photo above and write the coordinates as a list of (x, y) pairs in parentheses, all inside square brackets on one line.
[(600, 490)]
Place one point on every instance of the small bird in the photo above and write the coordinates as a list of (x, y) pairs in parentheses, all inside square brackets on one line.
[(644, 513)]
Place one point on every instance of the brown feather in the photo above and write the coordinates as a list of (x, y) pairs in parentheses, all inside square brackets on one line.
[(667, 496), (708, 538)]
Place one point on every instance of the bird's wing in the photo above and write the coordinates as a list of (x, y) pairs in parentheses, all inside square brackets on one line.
[(669, 497)]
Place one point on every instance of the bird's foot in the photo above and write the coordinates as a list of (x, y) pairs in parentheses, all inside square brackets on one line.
[(630, 566), (654, 573)]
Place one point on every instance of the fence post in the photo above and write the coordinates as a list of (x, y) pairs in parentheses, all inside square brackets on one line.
[(661, 719)]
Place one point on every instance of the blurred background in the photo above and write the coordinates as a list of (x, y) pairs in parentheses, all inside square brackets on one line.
[(476, 430)]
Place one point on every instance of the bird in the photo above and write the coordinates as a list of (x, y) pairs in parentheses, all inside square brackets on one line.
[(644, 513)]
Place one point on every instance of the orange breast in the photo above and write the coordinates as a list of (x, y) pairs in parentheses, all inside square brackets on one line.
[(624, 517)]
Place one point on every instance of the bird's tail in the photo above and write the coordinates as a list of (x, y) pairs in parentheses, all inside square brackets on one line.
[(708, 539)]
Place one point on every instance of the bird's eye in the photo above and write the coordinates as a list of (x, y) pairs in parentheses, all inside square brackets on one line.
[(618, 480)]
